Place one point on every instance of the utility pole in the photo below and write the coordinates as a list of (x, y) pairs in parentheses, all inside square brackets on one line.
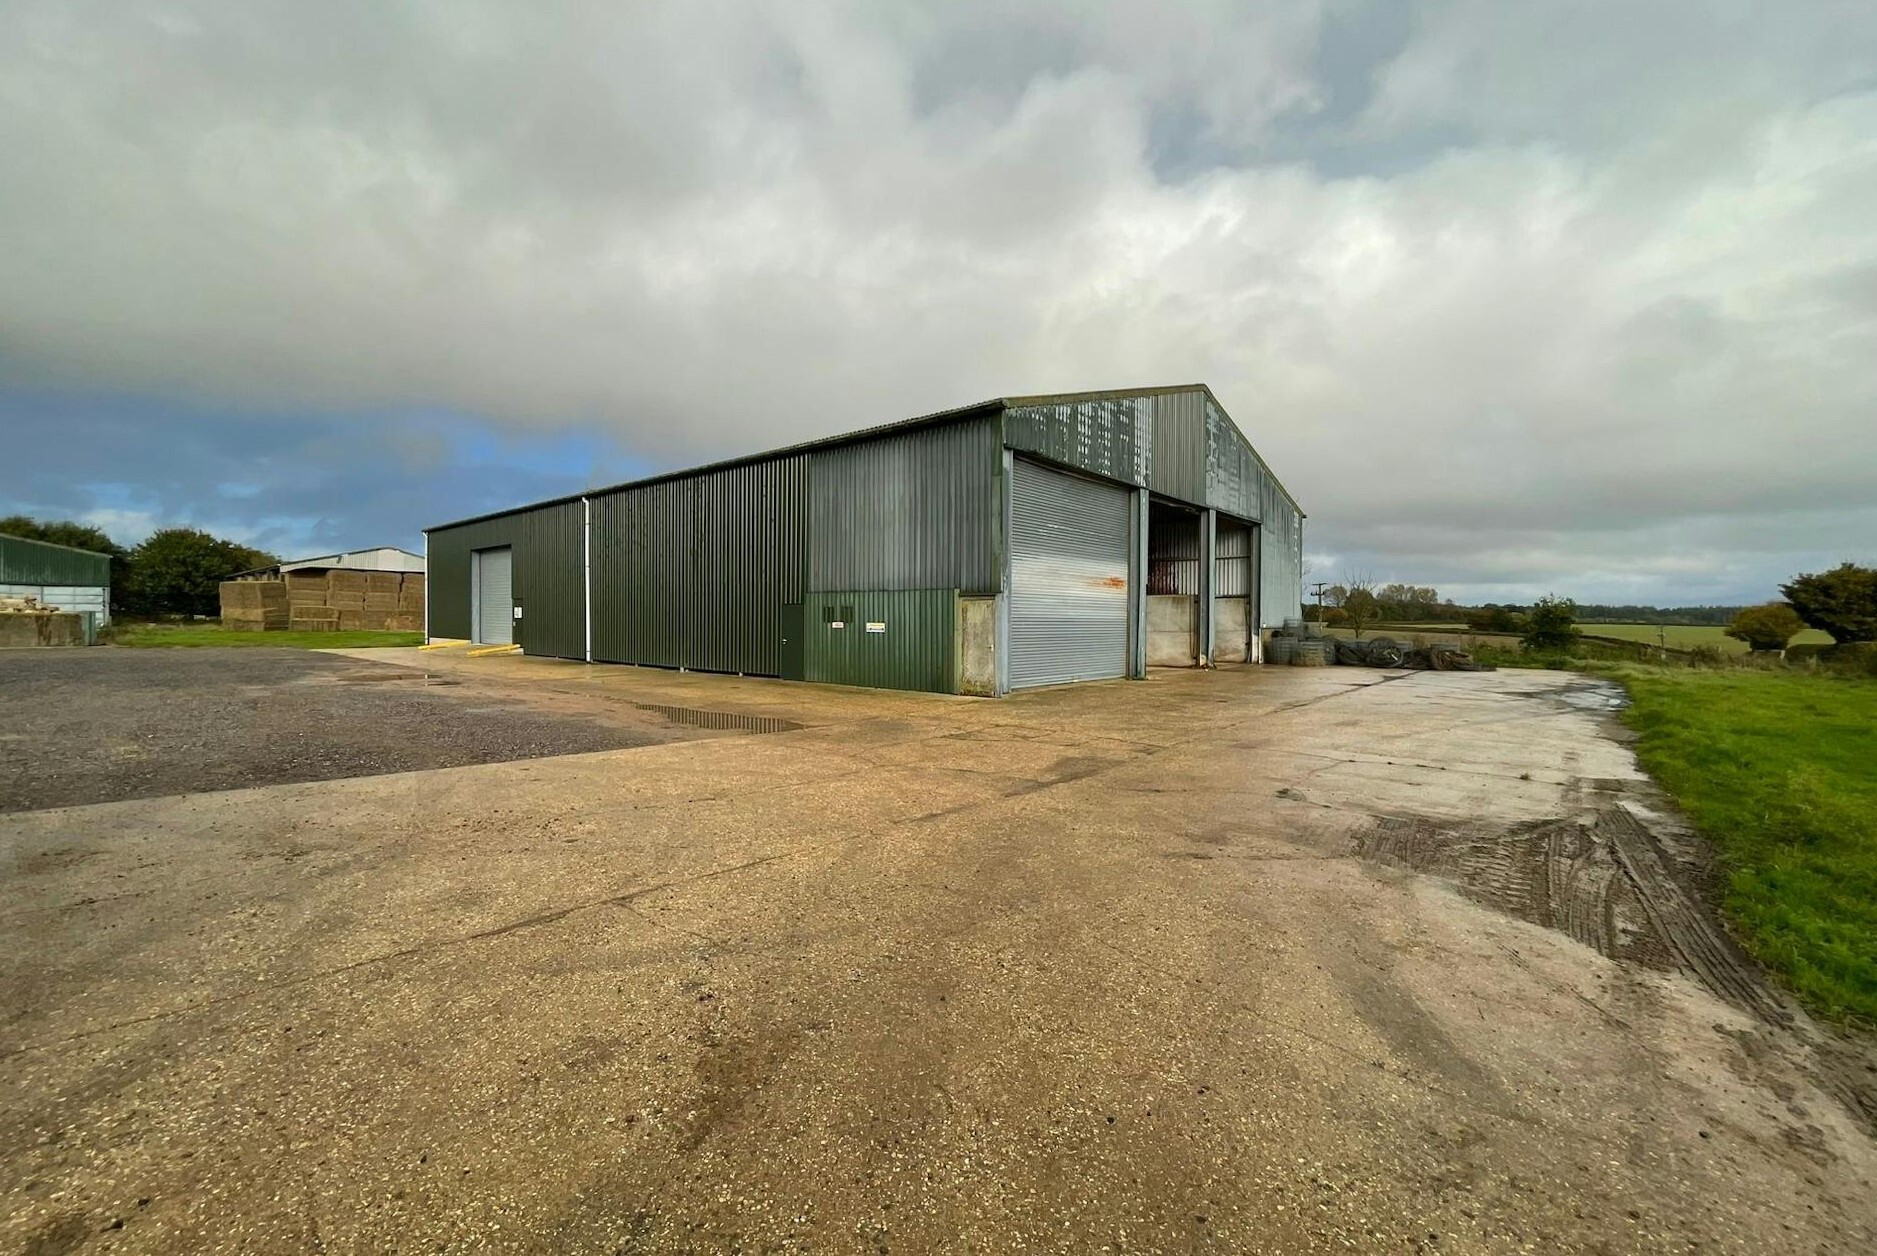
[(1317, 589)]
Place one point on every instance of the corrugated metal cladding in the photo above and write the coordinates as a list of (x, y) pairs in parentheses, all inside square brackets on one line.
[(1179, 462), (1179, 444), (1234, 475), (40, 562), (695, 572), (1112, 437), (888, 639), (548, 580), (1182, 446), (1280, 561), (76, 598), (1231, 557), (916, 510)]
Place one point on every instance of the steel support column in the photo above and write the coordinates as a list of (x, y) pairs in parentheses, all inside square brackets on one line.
[(586, 568), (1005, 480), (1208, 584), (1137, 585)]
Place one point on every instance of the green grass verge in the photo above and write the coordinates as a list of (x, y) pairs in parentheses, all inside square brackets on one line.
[(199, 636), (1779, 771)]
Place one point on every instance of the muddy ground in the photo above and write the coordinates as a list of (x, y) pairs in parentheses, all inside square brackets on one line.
[(1276, 960)]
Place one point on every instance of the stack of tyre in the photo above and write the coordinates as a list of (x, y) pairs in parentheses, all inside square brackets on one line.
[(1298, 644)]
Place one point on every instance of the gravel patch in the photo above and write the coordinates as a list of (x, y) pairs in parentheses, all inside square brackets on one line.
[(87, 726)]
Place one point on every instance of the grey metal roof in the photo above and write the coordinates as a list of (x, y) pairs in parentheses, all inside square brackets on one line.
[(855, 437), (338, 562)]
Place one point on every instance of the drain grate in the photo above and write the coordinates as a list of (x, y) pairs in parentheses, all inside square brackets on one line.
[(727, 720)]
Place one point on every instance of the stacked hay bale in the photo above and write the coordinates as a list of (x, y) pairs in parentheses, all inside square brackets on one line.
[(409, 616), (381, 599), (254, 605), (306, 603), (345, 593), (327, 601)]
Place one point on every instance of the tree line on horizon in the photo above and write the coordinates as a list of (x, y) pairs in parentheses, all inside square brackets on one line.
[(1841, 602), (173, 571)]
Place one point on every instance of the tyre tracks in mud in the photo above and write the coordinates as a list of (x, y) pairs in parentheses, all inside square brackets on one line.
[(1596, 878), (1600, 878)]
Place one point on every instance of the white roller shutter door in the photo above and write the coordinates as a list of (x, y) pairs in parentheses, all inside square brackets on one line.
[(1068, 578), (495, 598)]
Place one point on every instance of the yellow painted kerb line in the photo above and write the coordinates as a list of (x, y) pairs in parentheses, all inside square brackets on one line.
[(487, 650), (442, 645)]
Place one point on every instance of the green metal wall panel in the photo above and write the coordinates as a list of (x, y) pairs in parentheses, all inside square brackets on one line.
[(911, 510), (40, 562), (694, 572), (915, 647), (548, 581)]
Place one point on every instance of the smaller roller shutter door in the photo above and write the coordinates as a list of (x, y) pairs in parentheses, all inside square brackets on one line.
[(495, 599), (1068, 578)]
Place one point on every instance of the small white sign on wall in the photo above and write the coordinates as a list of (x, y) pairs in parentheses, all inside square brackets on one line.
[(518, 612), (874, 625)]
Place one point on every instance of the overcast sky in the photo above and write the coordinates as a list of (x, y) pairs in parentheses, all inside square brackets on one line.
[(1515, 297)]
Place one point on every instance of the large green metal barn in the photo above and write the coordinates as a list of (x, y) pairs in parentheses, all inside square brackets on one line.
[(1018, 542)]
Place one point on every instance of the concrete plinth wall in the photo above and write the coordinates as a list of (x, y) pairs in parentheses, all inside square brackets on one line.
[(1231, 632), (977, 646), (1172, 630), (33, 629)]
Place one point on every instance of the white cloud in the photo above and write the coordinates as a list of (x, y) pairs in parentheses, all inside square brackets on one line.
[(1610, 273)]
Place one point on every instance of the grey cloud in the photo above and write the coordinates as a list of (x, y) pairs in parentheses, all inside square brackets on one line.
[(1452, 265)]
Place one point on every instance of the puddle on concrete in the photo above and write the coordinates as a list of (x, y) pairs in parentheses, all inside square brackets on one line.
[(724, 720), (1594, 696)]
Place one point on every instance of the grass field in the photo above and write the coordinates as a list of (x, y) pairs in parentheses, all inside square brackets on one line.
[(1776, 769), (197, 636), (1688, 636)]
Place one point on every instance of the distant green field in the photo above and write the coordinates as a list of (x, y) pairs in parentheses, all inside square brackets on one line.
[(1688, 636), (208, 636)]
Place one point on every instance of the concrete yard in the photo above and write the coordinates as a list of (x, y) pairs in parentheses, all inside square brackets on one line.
[(1261, 960)]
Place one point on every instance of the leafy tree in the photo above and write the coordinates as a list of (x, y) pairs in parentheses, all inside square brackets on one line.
[(1842, 601), (178, 571), (60, 532), (1552, 624), (1408, 603), (1492, 618), (1360, 608), (77, 535), (1767, 627)]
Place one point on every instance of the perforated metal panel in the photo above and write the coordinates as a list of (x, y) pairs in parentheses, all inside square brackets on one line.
[(495, 598), (1068, 578)]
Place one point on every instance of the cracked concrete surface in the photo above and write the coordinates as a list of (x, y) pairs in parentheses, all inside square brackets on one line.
[(1276, 960)]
